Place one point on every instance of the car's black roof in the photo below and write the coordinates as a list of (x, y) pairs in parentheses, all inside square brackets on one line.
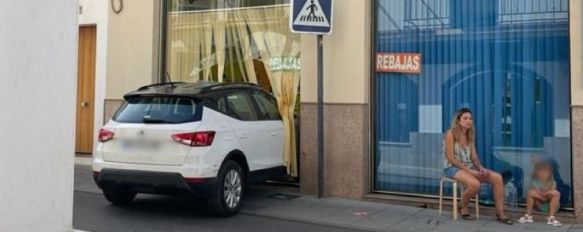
[(198, 89)]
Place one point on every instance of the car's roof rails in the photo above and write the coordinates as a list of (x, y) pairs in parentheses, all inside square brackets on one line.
[(229, 85), (159, 84)]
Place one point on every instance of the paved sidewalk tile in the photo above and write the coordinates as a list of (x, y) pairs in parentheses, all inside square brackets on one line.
[(353, 214), (386, 217), (422, 220), (576, 227)]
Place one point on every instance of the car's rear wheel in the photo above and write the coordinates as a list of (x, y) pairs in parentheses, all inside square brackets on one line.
[(118, 195), (230, 191)]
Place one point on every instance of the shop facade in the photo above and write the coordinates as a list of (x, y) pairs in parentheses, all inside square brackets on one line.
[(514, 63), (394, 73), (508, 61)]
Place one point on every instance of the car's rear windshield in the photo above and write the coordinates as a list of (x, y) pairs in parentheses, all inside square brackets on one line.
[(158, 110)]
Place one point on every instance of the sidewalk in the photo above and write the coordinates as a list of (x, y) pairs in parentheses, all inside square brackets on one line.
[(369, 216), (357, 215)]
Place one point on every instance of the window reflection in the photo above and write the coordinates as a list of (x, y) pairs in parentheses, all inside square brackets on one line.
[(507, 60)]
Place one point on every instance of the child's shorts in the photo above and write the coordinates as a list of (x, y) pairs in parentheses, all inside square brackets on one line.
[(544, 207)]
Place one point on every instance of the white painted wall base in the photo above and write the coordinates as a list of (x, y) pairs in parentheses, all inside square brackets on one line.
[(38, 63)]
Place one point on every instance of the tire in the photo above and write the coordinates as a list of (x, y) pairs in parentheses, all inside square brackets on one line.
[(230, 190), (118, 196)]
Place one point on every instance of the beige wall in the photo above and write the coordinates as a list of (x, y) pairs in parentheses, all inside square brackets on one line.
[(346, 56), (576, 37), (576, 33), (131, 47), (346, 79)]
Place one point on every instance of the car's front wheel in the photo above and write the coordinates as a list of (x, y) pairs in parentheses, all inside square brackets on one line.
[(118, 195), (230, 191)]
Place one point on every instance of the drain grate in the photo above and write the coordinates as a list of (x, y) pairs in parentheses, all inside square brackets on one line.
[(282, 196)]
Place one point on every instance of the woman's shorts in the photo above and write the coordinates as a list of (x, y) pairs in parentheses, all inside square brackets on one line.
[(450, 172)]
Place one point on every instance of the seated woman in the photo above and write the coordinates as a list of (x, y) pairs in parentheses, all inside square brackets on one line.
[(463, 165)]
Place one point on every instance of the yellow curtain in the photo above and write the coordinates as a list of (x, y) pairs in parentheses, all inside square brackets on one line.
[(219, 26), (244, 34), (275, 41), (191, 66), (247, 53), (207, 44)]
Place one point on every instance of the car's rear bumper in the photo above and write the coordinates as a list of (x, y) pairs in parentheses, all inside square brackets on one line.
[(190, 169), (155, 182)]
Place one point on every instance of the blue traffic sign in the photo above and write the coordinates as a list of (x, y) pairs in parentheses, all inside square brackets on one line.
[(311, 16)]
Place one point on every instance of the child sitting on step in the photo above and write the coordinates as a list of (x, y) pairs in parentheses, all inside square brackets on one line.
[(542, 194)]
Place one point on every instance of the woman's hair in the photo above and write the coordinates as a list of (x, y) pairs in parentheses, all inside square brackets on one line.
[(543, 165), (456, 128)]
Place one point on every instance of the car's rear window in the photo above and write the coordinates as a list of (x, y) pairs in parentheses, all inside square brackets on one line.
[(158, 110)]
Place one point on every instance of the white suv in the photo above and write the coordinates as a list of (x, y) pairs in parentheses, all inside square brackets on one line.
[(206, 139)]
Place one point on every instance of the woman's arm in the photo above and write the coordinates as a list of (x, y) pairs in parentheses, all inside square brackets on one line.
[(449, 141), (475, 159)]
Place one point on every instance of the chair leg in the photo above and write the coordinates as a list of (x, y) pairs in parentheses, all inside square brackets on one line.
[(440, 196), (461, 192), (477, 207), (455, 201)]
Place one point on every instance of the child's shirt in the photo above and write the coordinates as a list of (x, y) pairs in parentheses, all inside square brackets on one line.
[(542, 187)]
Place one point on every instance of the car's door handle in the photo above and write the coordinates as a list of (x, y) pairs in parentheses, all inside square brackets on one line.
[(274, 133), (243, 136)]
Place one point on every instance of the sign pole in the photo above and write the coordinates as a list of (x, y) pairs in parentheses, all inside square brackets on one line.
[(320, 118), (315, 17)]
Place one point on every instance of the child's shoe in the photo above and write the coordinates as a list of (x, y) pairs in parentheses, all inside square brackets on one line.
[(553, 221), (525, 219)]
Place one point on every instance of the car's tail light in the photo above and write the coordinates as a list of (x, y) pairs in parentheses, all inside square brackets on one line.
[(105, 135), (195, 139)]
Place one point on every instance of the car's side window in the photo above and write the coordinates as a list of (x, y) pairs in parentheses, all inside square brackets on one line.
[(267, 106), (222, 106), (239, 106)]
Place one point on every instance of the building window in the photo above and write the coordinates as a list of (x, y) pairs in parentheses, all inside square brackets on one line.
[(506, 60), (229, 41)]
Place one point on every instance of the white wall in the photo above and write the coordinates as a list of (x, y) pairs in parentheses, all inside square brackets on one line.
[(95, 13), (91, 11), (38, 65)]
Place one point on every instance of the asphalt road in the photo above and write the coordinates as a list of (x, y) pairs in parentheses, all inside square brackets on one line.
[(165, 213)]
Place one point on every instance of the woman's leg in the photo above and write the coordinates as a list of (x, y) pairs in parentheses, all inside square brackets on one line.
[(554, 202), (495, 180), (472, 187)]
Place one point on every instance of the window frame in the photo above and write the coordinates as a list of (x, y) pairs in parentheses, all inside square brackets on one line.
[(162, 34), (372, 110)]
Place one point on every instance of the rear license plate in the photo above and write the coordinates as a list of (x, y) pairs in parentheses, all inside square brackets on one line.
[(141, 145)]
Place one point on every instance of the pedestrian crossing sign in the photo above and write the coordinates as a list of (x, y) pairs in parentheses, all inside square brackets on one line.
[(311, 16)]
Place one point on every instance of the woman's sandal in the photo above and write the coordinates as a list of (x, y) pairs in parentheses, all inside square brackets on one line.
[(506, 221), (466, 216)]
